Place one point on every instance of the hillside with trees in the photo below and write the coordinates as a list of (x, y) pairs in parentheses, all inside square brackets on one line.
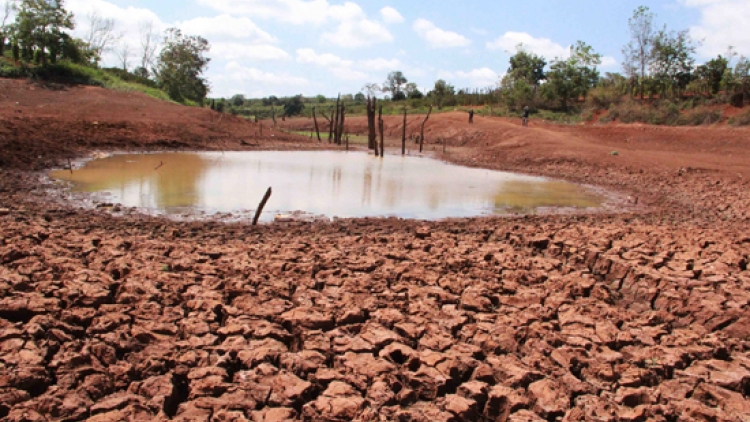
[(38, 44)]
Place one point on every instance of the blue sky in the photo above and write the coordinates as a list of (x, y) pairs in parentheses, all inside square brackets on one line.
[(309, 47)]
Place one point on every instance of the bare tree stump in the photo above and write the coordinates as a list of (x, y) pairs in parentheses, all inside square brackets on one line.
[(421, 134), (380, 126), (317, 130), (403, 135), (261, 206)]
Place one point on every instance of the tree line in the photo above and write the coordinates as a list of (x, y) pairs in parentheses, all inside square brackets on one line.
[(39, 37), (658, 63)]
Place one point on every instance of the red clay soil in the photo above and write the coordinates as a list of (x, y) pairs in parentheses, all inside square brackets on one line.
[(627, 317)]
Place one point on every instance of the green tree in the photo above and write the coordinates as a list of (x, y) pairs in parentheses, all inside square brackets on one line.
[(572, 78), (40, 25), (711, 73), (359, 97), (394, 85), (321, 99), (180, 66), (672, 60), (293, 106), (520, 84), (237, 100), (442, 92), (638, 51), (527, 66)]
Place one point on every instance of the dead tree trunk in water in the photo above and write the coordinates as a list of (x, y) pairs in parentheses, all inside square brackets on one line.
[(330, 125), (342, 116), (403, 135), (381, 127), (336, 138), (317, 130), (421, 134), (372, 138), (260, 207)]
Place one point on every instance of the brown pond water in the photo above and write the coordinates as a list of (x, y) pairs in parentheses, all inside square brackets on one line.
[(342, 184)]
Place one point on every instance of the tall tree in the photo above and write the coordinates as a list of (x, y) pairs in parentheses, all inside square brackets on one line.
[(181, 65), (5, 28), (149, 38), (712, 73), (442, 92), (41, 25), (527, 66), (638, 51), (572, 78), (394, 85), (101, 35), (672, 60)]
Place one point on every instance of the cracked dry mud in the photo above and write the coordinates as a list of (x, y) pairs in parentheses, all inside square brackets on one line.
[(632, 317)]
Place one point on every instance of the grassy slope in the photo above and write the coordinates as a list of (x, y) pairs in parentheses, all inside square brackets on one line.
[(79, 74)]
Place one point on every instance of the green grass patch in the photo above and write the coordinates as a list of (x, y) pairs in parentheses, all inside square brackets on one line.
[(66, 72)]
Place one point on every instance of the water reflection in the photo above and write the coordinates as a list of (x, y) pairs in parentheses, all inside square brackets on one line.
[(329, 183)]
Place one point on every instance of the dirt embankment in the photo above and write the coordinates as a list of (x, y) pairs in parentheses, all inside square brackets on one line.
[(611, 318)]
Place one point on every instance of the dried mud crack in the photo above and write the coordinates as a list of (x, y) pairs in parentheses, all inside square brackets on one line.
[(629, 317)]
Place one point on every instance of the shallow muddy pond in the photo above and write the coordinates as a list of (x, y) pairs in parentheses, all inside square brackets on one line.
[(342, 184)]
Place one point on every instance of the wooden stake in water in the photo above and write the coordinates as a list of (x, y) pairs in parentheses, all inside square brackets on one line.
[(403, 135), (70, 166), (260, 207), (380, 126), (315, 119), (421, 135)]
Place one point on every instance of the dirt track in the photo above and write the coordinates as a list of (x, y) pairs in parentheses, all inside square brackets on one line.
[(643, 316)]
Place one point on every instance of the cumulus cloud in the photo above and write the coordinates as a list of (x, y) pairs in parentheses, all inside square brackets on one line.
[(479, 78), (342, 69), (352, 27), (721, 25), (226, 26), (358, 33), (380, 64), (391, 15), (439, 38), (237, 72), (541, 46), (609, 62), (236, 51), (309, 56)]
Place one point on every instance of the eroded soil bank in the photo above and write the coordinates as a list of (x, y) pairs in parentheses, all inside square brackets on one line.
[(636, 316)]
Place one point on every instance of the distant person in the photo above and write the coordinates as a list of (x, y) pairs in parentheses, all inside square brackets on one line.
[(525, 119), (471, 116)]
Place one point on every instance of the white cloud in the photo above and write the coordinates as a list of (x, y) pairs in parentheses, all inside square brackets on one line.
[(438, 38), (352, 27), (236, 50), (609, 62), (339, 67), (358, 32), (380, 64), (541, 46), (723, 23), (239, 73), (226, 26), (309, 56), (296, 12), (479, 78), (391, 15)]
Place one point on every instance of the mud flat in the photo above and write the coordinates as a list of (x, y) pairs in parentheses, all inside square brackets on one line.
[(643, 315)]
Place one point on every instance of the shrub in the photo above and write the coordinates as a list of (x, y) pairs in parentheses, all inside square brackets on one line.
[(699, 116), (604, 97), (742, 119)]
